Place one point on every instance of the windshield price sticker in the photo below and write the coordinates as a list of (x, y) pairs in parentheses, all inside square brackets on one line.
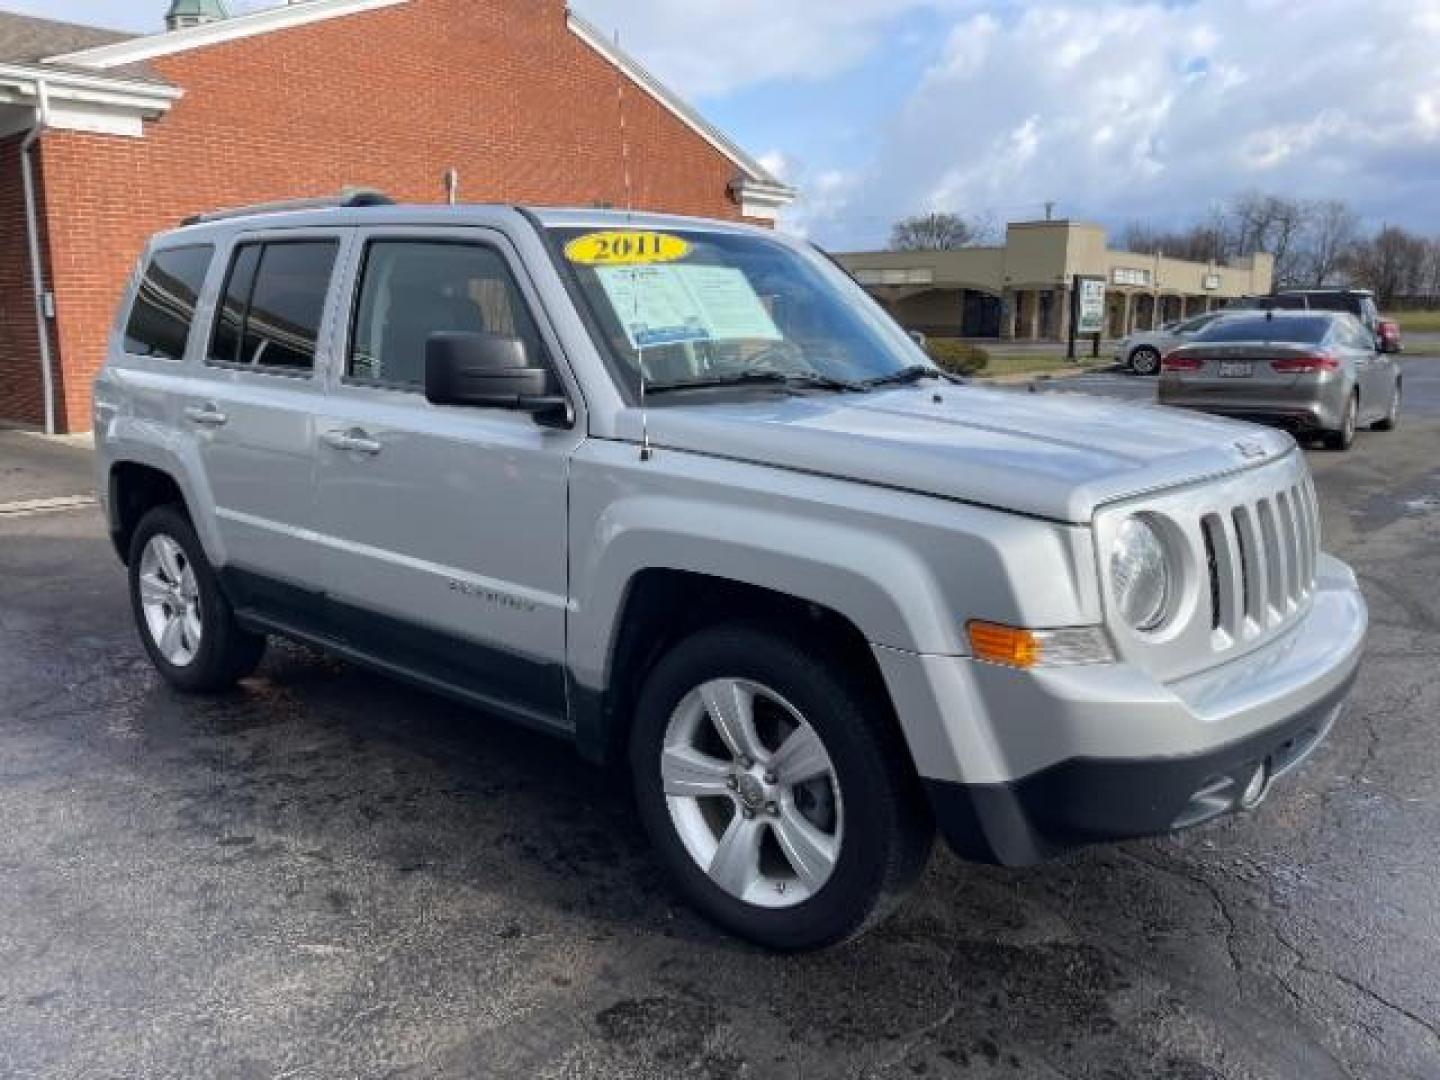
[(668, 305), (626, 249)]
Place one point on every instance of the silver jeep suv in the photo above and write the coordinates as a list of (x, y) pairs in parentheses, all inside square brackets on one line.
[(679, 492)]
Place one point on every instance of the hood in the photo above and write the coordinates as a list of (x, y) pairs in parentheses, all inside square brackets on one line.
[(1055, 455)]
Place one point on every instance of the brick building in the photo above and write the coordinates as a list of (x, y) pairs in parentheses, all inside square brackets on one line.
[(116, 137)]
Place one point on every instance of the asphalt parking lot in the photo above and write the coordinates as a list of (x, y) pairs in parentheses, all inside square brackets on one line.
[(328, 875)]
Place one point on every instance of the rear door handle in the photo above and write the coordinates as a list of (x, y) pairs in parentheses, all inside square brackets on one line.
[(354, 441), (207, 415)]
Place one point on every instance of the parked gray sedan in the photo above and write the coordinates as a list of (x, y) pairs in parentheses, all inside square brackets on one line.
[(1308, 371), (1141, 351)]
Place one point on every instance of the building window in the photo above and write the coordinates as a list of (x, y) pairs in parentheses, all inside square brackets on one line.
[(164, 309), (412, 289), (274, 304)]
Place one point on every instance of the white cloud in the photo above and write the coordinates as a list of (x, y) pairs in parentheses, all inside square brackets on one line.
[(1117, 110), (713, 47)]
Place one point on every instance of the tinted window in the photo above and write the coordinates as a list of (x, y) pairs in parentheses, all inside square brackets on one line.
[(1334, 302), (230, 320), (274, 303), (410, 290), (164, 309), (1299, 329)]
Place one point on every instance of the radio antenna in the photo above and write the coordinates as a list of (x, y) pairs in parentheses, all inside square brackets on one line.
[(647, 452)]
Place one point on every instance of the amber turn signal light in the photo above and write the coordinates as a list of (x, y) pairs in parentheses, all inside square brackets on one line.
[(1004, 645)]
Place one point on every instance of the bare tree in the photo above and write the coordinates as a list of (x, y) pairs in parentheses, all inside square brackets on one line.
[(936, 231), (1393, 264), (1334, 231), (1432, 270)]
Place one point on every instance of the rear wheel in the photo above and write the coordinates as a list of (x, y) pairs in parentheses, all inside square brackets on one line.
[(1391, 420), (185, 623), (1344, 438), (1145, 361), (775, 790)]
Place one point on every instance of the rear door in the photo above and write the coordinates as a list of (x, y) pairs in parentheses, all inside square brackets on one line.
[(445, 528), (253, 409), (1372, 372)]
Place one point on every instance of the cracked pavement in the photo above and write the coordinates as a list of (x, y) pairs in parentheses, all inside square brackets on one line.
[(327, 874)]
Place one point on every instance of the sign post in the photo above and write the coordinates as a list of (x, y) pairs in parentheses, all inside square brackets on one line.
[(1087, 311)]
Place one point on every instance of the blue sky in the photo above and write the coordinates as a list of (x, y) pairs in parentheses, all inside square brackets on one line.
[(1117, 110)]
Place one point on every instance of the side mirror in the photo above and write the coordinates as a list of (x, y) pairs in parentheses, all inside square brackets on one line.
[(488, 371), (919, 338)]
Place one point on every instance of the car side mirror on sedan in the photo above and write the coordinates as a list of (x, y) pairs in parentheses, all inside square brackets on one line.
[(489, 371)]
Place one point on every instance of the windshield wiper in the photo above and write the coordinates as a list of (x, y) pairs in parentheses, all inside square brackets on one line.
[(907, 375), (757, 378)]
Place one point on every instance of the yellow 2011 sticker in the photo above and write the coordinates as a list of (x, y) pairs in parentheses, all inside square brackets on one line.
[(626, 249)]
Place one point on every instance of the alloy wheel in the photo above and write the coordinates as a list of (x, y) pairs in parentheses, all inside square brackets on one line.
[(752, 793), (170, 600), (1145, 361)]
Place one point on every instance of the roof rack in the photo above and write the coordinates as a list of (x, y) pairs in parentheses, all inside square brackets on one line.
[(348, 199)]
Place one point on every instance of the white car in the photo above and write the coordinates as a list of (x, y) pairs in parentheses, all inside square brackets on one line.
[(1142, 351)]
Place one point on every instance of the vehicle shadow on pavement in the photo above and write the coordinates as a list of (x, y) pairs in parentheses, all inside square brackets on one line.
[(316, 766)]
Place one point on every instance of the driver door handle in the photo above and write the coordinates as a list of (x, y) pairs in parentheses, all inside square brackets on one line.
[(353, 441), (207, 415)]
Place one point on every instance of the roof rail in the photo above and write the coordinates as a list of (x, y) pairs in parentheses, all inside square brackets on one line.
[(349, 198)]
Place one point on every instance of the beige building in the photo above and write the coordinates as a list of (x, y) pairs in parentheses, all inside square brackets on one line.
[(1022, 291)]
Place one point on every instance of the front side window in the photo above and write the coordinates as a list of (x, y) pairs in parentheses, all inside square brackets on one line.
[(273, 305), (694, 308), (164, 308), (411, 289)]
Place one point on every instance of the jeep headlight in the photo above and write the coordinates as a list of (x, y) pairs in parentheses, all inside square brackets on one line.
[(1140, 575)]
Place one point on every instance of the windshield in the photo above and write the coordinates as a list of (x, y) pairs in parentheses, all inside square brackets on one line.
[(1297, 329), (699, 308)]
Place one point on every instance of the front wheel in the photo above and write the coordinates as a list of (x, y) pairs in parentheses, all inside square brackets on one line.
[(777, 793), (1145, 361), (184, 620)]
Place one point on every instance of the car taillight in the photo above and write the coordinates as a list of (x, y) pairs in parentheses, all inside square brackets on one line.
[(1306, 365), (1181, 363)]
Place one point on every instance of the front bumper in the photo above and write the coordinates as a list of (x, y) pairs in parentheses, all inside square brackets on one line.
[(1041, 762)]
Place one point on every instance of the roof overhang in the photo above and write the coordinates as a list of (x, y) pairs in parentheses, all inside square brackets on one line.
[(766, 192), (760, 200), (82, 101), (265, 21)]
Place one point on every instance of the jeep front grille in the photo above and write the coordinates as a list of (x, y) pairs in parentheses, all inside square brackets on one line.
[(1261, 559)]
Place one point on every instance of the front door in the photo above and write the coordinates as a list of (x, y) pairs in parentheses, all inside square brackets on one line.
[(445, 527)]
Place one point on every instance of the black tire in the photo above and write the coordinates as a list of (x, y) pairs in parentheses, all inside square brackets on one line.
[(1342, 440), (888, 831), (1145, 361), (226, 653), (1391, 419)]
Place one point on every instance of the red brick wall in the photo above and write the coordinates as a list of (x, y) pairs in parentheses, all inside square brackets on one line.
[(21, 397), (499, 89)]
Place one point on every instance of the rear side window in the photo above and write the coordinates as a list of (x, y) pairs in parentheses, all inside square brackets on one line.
[(1335, 302), (1291, 328), (412, 289), (164, 308), (273, 305)]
